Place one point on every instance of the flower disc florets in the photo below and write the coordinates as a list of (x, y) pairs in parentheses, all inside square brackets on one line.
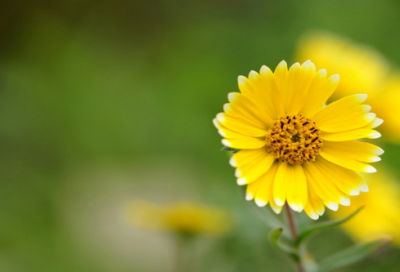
[(294, 139)]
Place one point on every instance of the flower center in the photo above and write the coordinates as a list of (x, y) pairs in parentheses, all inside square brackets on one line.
[(294, 139)]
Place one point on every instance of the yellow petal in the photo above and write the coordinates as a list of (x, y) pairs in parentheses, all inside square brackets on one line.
[(360, 151), (290, 184), (299, 81), (346, 162), (271, 92), (280, 74), (348, 181), (351, 135), (325, 189), (315, 206), (247, 157), (240, 126), (336, 107), (297, 193), (320, 90), (344, 114), (250, 172), (243, 143), (258, 88), (262, 197), (242, 107)]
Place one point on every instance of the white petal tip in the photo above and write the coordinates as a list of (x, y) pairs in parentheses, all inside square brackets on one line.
[(282, 65), (221, 133), (354, 192), (379, 151), (220, 117), (377, 122), (249, 196), (253, 74), (322, 73), (370, 169), (216, 123), (238, 173), (361, 97), (232, 162), (226, 143), (264, 70), (296, 207), (375, 159), (363, 188), (232, 96), (333, 206), (374, 135), (313, 215), (241, 181), (260, 203), (227, 107), (276, 209), (345, 201), (279, 202), (334, 78), (242, 80)]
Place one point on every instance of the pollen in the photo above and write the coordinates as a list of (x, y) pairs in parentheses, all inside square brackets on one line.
[(294, 139)]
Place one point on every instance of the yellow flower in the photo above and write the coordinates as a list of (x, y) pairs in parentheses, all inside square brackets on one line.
[(380, 217), (292, 148), (180, 217), (362, 70)]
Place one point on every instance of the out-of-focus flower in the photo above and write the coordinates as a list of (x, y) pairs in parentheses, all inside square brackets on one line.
[(380, 217), (362, 70), (181, 217), (292, 148)]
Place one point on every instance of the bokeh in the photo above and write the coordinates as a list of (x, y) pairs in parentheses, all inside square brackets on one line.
[(107, 102)]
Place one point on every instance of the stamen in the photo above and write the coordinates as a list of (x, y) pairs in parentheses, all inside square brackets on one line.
[(294, 139)]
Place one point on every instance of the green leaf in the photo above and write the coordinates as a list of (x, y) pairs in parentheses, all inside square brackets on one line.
[(227, 148), (352, 255), (307, 233), (274, 236)]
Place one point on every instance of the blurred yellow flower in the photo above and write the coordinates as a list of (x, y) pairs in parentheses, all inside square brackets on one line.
[(180, 217), (362, 70), (380, 217), (292, 148)]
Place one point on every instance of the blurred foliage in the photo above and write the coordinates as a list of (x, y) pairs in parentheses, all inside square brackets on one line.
[(89, 89)]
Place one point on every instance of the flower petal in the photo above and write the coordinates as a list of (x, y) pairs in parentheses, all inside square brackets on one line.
[(247, 157), (261, 189), (250, 172), (360, 151), (325, 189), (242, 107), (344, 114), (260, 89), (315, 206), (299, 81), (240, 126), (348, 181), (290, 184), (345, 160), (320, 90)]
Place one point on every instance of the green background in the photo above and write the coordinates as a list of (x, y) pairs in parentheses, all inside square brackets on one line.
[(106, 102)]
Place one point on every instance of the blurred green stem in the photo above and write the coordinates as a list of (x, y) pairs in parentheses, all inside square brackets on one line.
[(293, 229), (182, 260)]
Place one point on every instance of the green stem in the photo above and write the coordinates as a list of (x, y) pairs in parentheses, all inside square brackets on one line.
[(182, 253), (293, 229)]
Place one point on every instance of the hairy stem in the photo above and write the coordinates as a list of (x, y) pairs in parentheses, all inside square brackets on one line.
[(294, 231)]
